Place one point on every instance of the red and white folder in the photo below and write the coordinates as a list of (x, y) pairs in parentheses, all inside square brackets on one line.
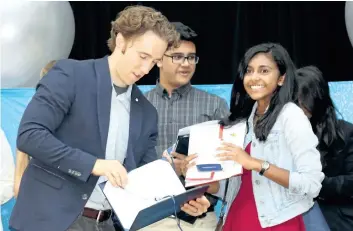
[(204, 139)]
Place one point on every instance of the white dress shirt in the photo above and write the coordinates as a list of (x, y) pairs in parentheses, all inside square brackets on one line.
[(7, 172)]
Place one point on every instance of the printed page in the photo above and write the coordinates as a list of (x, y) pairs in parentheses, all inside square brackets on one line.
[(186, 130), (146, 186)]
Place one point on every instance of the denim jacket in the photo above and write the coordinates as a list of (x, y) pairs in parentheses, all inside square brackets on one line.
[(291, 145)]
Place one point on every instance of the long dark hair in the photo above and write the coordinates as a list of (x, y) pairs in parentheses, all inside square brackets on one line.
[(314, 96), (241, 104)]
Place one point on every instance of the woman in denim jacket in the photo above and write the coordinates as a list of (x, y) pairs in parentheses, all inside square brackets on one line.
[(335, 145), (282, 169)]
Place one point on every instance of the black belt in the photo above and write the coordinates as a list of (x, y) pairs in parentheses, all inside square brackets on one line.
[(99, 215)]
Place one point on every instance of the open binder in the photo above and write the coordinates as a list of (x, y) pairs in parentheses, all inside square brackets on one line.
[(162, 209), (135, 212)]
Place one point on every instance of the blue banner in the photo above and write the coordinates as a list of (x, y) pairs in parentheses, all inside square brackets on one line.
[(14, 102)]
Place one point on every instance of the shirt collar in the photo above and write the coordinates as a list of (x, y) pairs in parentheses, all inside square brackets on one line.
[(251, 117), (183, 90), (126, 95)]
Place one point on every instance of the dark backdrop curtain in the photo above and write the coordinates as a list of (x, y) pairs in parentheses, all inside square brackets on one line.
[(314, 33)]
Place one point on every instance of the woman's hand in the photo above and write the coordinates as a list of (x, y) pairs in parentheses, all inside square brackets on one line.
[(230, 151)]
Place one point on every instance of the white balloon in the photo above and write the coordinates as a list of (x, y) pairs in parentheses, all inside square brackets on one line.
[(349, 20), (32, 34)]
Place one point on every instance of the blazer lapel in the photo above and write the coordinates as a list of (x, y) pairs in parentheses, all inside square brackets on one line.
[(134, 126), (104, 94)]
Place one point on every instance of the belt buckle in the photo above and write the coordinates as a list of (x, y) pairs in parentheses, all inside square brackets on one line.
[(98, 217)]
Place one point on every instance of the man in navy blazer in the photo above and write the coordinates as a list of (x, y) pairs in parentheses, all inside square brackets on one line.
[(88, 122)]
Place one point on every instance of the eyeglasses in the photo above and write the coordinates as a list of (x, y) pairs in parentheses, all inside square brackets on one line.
[(180, 59)]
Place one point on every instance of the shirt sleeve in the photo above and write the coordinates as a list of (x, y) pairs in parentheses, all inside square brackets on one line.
[(307, 177), (7, 170)]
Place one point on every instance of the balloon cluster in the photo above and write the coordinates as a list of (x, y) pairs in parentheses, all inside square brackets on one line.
[(32, 34), (349, 20)]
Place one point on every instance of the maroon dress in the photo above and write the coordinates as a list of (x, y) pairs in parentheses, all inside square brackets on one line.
[(243, 216)]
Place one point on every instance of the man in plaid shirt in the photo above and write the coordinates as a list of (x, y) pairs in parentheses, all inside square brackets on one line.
[(179, 104)]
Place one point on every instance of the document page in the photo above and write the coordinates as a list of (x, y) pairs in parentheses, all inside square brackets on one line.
[(146, 186)]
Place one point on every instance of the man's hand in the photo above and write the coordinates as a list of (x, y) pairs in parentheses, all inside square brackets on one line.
[(187, 163), (196, 207), (177, 160), (113, 170)]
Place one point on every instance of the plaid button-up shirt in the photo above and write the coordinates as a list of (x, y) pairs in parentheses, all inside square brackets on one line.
[(186, 106)]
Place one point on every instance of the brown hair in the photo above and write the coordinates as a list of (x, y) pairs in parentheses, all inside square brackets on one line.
[(134, 21), (47, 68)]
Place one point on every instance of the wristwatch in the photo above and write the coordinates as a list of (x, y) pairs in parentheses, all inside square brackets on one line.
[(264, 166)]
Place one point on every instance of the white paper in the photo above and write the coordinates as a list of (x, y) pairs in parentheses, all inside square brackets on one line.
[(204, 140), (186, 130), (145, 184)]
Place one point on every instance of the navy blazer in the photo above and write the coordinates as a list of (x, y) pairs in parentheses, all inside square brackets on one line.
[(65, 128)]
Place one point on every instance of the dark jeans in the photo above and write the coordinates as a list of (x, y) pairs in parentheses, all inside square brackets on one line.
[(314, 220), (88, 224)]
